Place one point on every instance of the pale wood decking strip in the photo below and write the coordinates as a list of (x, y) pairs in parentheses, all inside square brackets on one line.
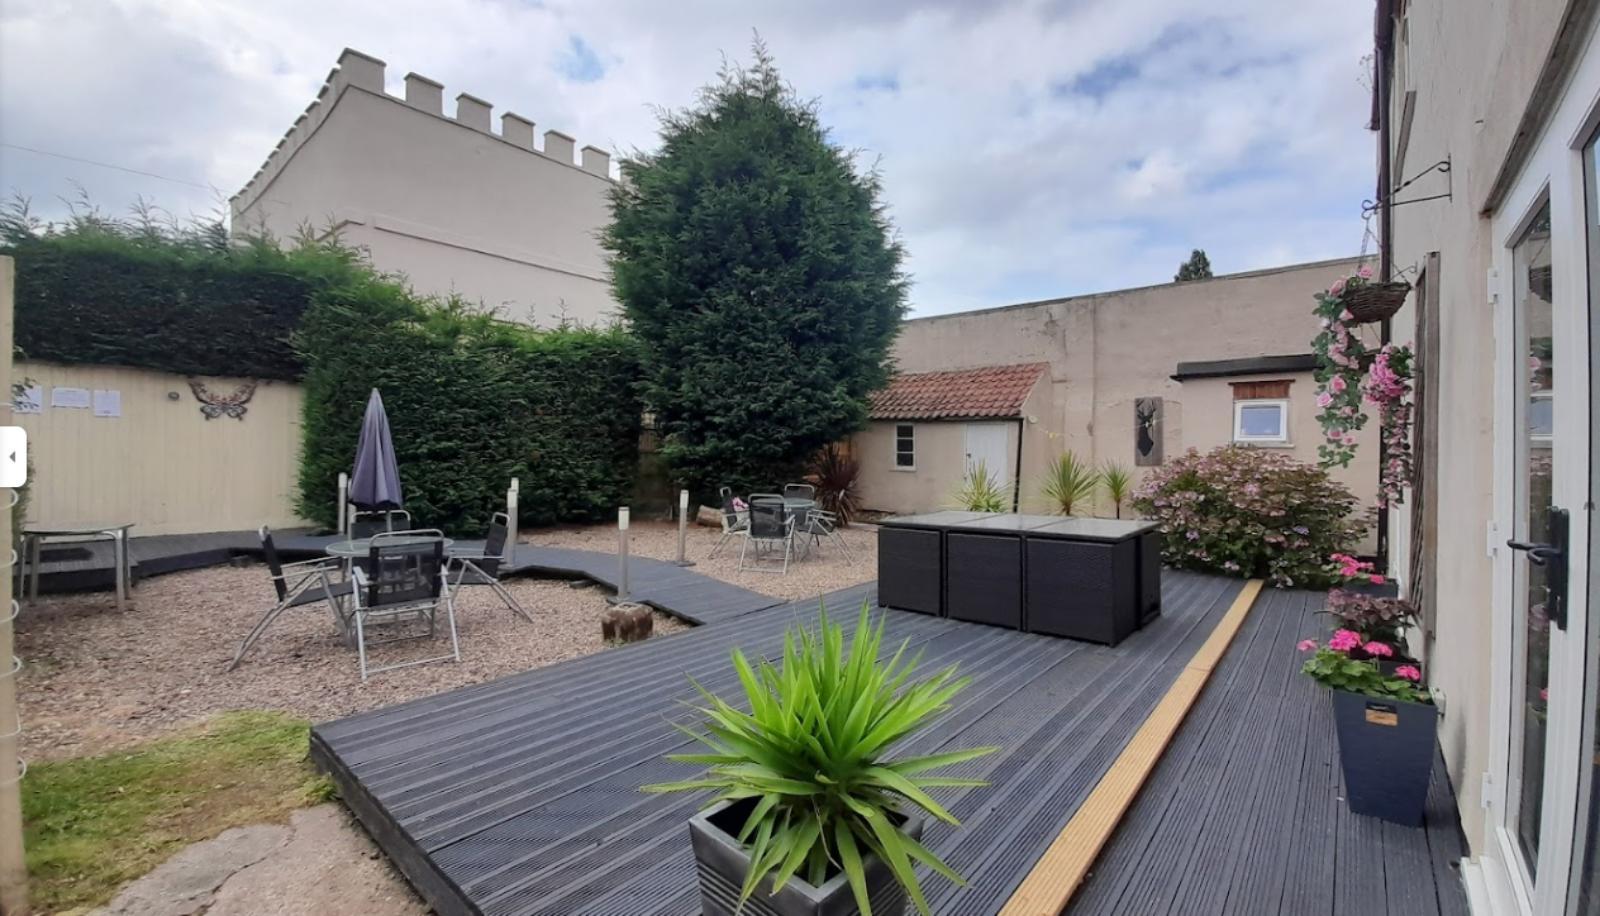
[(522, 795), (1245, 812), (1061, 869)]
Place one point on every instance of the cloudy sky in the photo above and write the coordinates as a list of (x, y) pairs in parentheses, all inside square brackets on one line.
[(1028, 149)]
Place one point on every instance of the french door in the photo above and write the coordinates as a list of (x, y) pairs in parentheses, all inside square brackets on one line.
[(1543, 809)]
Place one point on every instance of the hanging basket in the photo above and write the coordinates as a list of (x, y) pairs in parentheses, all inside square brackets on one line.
[(1373, 302)]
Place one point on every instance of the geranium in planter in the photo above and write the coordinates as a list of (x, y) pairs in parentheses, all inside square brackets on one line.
[(1386, 723), (1375, 617), (808, 803)]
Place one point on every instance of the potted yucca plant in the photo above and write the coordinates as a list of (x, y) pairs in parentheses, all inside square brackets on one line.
[(810, 815), (980, 491), (1069, 484)]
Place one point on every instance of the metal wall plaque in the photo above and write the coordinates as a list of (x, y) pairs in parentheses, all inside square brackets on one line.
[(1147, 431)]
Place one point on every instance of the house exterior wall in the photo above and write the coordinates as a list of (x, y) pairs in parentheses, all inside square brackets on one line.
[(1472, 65), (161, 464), (1107, 350), (941, 457), (453, 205)]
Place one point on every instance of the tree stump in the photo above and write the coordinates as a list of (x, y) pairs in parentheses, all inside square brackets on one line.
[(627, 623)]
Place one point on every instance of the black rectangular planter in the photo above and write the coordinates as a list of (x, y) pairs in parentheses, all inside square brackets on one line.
[(1082, 590), (722, 863), (1386, 750), (983, 575)]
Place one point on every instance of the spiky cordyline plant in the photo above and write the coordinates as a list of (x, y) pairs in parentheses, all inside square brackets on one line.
[(1118, 482), (811, 754), (981, 491), (1069, 483), (835, 473)]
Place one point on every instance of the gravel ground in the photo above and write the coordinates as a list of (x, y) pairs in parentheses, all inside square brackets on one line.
[(94, 679), (824, 570)]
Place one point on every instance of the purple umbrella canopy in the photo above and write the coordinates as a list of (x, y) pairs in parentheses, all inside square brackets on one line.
[(375, 481)]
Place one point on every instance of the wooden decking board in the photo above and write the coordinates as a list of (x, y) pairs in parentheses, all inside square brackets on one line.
[(1277, 808)]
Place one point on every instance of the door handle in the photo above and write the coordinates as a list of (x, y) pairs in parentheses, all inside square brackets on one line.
[(1552, 555)]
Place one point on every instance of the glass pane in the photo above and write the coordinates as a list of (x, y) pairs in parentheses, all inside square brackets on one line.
[(904, 460), (1261, 421), (1535, 467)]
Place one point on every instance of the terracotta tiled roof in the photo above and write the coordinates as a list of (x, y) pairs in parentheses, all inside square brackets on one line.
[(992, 391)]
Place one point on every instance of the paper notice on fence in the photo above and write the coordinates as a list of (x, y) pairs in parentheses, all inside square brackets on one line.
[(107, 403), (29, 400), (69, 397)]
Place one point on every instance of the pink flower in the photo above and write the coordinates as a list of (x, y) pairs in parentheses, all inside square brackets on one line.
[(1344, 640), (1379, 649), (1365, 272), (1324, 399), (1336, 288), (1307, 645), (1409, 672), (1544, 694), (1336, 384), (1376, 580)]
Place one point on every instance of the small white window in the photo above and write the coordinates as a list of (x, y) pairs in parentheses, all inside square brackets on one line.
[(1261, 420), (905, 447)]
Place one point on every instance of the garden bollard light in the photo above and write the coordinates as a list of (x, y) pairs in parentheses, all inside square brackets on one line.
[(683, 529), (622, 557)]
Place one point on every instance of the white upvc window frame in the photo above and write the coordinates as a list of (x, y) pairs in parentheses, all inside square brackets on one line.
[(894, 452), (1239, 436)]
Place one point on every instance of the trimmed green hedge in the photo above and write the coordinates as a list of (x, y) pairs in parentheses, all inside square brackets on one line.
[(106, 297), (472, 402)]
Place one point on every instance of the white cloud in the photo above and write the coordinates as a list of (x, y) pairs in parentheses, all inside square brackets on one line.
[(1028, 149)]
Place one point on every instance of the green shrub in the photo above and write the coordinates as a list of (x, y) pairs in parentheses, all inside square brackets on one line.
[(1118, 481), (1250, 512), (1069, 484), (472, 402), (980, 491), (813, 753), (173, 299)]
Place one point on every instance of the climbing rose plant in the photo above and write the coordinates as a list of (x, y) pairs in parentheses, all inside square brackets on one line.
[(1250, 512), (1388, 387), (1340, 354)]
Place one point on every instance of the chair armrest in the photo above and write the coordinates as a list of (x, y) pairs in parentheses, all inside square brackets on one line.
[(323, 561)]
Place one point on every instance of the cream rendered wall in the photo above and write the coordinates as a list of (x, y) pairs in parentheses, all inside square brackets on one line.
[(1473, 64), (1107, 350), (445, 200), (161, 465)]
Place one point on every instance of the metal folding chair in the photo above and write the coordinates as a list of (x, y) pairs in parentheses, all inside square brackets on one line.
[(770, 526), (820, 525), (297, 585), (733, 521), (799, 491), (484, 568), (406, 580)]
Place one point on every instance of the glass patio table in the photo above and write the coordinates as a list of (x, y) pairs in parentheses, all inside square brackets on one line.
[(360, 547)]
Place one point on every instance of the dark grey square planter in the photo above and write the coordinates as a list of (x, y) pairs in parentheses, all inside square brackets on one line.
[(722, 863), (1386, 750)]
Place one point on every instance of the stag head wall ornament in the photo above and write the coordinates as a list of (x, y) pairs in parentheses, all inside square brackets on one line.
[(219, 405)]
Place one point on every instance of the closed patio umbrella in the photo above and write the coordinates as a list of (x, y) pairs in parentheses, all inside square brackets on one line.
[(375, 481)]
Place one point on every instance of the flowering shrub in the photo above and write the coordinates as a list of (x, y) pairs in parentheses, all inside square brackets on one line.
[(1340, 358), (1346, 663), (1378, 618), (1388, 386), (1250, 512), (1352, 569)]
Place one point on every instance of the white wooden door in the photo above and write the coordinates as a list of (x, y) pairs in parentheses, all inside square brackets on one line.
[(987, 443)]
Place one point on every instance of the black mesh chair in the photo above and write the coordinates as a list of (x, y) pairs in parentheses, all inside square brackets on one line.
[(405, 580), (484, 568), (366, 524), (799, 491), (770, 529), (822, 526), (733, 520), (298, 584)]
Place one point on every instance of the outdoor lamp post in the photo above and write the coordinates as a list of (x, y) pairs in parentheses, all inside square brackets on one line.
[(622, 556), (683, 528)]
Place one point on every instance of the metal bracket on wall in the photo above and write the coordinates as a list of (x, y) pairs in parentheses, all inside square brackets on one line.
[(1368, 207)]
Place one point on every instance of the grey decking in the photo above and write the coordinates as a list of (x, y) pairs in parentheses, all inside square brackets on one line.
[(521, 795), (1244, 814)]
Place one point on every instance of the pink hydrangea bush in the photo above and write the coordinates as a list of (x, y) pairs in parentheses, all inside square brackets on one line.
[(1250, 512)]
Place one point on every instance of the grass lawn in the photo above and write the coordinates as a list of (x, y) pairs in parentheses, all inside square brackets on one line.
[(94, 823)]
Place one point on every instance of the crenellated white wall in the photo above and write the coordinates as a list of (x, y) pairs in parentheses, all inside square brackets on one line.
[(443, 198)]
